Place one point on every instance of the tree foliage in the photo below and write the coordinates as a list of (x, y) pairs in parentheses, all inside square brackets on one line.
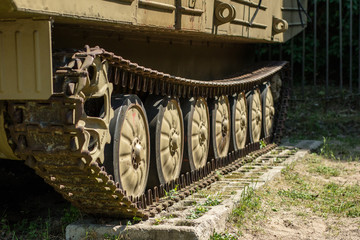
[(273, 51)]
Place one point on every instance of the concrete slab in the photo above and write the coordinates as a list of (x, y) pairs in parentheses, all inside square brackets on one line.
[(176, 222)]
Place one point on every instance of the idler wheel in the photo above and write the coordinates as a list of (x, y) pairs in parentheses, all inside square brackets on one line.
[(167, 139), (255, 115), (128, 155), (239, 121), (220, 126), (268, 110), (197, 130)]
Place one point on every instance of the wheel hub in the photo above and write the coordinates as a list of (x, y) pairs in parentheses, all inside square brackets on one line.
[(136, 153), (173, 143), (243, 121), (258, 117), (202, 133), (224, 127)]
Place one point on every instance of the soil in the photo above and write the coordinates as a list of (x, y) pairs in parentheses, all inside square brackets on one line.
[(297, 221), (288, 225)]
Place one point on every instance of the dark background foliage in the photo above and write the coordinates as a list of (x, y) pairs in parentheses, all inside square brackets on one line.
[(273, 51)]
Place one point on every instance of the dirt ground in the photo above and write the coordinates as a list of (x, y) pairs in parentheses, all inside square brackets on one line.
[(309, 212)]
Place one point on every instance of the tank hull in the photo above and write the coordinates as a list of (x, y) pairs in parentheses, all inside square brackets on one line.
[(60, 101), (243, 20)]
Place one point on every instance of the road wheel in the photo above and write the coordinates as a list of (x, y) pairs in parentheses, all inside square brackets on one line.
[(268, 111), (167, 138), (255, 115), (130, 146), (220, 126), (239, 121), (197, 130)]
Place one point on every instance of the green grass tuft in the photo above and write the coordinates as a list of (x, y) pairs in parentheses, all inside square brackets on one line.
[(223, 236), (326, 171)]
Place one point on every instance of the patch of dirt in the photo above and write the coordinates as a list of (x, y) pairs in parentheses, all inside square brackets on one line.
[(287, 225), (349, 172), (288, 220)]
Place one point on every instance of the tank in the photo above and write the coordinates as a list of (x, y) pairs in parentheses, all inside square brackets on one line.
[(116, 102)]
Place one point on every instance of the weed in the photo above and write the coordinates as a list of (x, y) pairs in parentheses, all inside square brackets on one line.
[(326, 171), (294, 194), (293, 151), (262, 144), (5, 231), (250, 202), (172, 193), (213, 200), (281, 148), (218, 174), (326, 150), (90, 235), (158, 221), (339, 199), (112, 237), (314, 158), (36, 229), (71, 215), (136, 219), (222, 236), (198, 212), (274, 152)]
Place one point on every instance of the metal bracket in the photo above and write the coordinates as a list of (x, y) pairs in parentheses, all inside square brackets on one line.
[(224, 13), (192, 3), (279, 25)]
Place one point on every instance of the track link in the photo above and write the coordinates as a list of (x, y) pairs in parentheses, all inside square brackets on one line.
[(49, 135)]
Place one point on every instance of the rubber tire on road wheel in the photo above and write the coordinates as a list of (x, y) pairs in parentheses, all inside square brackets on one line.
[(167, 139), (239, 121), (255, 115), (197, 133), (128, 155), (220, 126)]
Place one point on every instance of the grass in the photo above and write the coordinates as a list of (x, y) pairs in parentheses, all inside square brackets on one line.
[(319, 185), (325, 171), (49, 228), (197, 212), (334, 121), (160, 220), (296, 194), (201, 208), (248, 209), (300, 191), (223, 236), (213, 200), (340, 200), (172, 193), (321, 196)]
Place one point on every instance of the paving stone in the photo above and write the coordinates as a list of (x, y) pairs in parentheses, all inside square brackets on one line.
[(174, 224)]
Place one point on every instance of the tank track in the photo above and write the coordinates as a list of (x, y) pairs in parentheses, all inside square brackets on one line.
[(48, 136)]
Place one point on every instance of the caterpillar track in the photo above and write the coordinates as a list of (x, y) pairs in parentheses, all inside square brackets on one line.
[(64, 138)]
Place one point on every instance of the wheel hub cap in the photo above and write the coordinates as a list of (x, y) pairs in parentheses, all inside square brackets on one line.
[(258, 117), (136, 153), (224, 125), (202, 135), (173, 143), (243, 121)]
